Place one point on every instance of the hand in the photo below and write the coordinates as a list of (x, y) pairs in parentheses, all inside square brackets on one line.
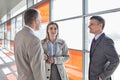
[(45, 57), (99, 78), (51, 60)]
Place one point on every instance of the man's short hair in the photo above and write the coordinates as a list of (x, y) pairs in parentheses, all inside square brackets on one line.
[(30, 15), (99, 18)]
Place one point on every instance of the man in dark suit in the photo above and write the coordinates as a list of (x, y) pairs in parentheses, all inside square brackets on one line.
[(103, 56)]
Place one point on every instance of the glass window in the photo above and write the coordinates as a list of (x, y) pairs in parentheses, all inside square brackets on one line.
[(44, 11), (100, 5), (4, 18), (6, 36), (112, 28), (8, 30), (71, 32), (74, 65), (19, 8), (42, 32), (1, 35), (2, 31), (36, 1), (12, 29), (66, 8), (30, 3), (18, 23)]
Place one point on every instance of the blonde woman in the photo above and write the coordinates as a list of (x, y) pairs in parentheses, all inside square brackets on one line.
[(56, 54)]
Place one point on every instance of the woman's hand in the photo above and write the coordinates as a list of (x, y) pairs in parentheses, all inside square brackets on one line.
[(51, 60), (45, 57), (100, 78)]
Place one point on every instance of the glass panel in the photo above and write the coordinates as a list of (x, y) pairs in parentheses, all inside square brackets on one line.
[(30, 3), (19, 23), (100, 5), (20, 7), (112, 28), (71, 32), (12, 29), (8, 30), (66, 8), (38, 0), (42, 32), (4, 18), (8, 35), (2, 31), (44, 11), (1, 35), (74, 65)]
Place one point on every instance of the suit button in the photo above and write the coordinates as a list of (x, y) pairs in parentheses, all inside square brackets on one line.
[(48, 69), (47, 77)]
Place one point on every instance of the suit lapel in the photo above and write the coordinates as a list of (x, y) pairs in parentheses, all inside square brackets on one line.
[(97, 42)]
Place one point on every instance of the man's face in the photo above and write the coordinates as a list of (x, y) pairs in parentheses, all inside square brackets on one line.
[(95, 26), (38, 22)]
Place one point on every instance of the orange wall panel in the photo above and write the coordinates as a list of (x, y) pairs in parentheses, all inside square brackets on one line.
[(8, 26), (12, 45), (74, 65), (44, 11), (0, 43)]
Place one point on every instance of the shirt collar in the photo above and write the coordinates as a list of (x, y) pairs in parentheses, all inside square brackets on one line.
[(98, 35), (48, 41), (29, 28)]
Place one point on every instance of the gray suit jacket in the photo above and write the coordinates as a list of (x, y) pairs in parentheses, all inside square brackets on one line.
[(104, 59), (29, 56)]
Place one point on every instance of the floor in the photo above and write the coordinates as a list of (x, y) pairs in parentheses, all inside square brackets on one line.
[(8, 69)]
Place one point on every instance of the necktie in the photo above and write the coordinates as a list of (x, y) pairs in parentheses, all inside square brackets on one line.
[(92, 45)]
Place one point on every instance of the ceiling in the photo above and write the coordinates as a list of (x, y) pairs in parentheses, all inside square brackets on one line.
[(6, 6)]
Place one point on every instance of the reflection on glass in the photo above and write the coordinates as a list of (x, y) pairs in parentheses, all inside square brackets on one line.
[(71, 32), (66, 8), (100, 5)]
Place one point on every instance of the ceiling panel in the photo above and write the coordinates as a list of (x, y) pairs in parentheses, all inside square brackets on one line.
[(6, 6)]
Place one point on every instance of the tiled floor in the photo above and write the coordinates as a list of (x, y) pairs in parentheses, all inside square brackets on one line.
[(8, 69)]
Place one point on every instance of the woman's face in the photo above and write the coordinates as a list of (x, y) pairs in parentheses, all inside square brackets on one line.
[(52, 31)]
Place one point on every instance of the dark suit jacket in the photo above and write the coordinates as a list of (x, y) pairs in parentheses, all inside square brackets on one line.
[(104, 59)]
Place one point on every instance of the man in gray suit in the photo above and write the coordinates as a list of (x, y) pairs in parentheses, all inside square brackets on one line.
[(103, 56), (29, 55)]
